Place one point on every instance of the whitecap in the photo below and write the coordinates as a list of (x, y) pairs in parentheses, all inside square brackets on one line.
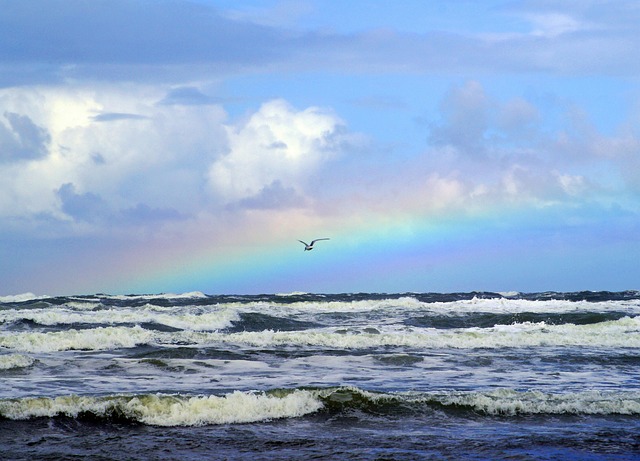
[(21, 298), (176, 317), (11, 361), (188, 295), (623, 332), (94, 339), (511, 402), (171, 410)]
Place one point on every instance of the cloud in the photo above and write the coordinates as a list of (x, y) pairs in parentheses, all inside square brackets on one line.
[(85, 207), (143, 214), (465, 118), (276, 145), (123, 31), (518, 117), (93, 209), (22, 139), (273, 196), (140, 163), (188, 96), (133, 152), (283, 13), (115, 158), (501, 153), (178, 41), (115, 116), (553, 24), (126, 40)]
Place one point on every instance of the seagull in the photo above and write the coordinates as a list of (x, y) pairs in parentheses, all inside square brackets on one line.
[(309, 246)]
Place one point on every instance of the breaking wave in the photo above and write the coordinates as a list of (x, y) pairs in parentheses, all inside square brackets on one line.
[(12, 361), (168, 410), (86, 313), (247, 407)]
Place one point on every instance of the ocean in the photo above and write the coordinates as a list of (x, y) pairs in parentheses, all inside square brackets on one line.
[(411, 376)]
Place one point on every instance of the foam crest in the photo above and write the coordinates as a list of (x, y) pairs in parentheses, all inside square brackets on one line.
[(619, 333), (21, 298), (96, 339), (83, 305), (177, 317), (458, 307), (624, 332), (508, 402), (11, 361), (515, 306), (511, 402), (189, 295), (170, 410)]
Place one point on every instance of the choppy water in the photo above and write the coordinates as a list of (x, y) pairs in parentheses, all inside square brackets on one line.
[(304, 376)]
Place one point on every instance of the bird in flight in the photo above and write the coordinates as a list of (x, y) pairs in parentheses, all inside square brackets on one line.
[(309, 246)]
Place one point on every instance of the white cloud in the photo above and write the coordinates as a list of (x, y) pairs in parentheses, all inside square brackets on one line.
[(283, 13), (276, 145), (121, 155), (553, 24), (111, 143)]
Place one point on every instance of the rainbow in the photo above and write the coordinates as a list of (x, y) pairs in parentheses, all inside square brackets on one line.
[(503, 250)]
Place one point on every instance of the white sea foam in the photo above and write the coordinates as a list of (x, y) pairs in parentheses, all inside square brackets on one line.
[(83, 305), (247, 407), (103, 338), (182, 318), (459, 307), (171, 410), (507, 401), (189, 295), (11, 361), (509, 294), (511, 402), (20, 298), (624, 332)]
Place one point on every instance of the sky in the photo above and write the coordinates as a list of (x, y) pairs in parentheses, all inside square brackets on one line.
[(154, 146)]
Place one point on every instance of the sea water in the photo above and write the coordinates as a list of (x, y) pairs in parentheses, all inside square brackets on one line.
[(311, 376)]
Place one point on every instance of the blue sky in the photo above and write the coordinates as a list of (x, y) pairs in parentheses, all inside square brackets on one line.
[(154, 146)]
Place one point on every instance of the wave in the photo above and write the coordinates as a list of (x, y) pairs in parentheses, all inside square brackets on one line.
[(252, 406), (169, 410), (621, 333), (188, 295), (617, 333), (451, 308), (96, 314), (24, 297), (13, 361), (506, 402), (436, 304), (103, 338)]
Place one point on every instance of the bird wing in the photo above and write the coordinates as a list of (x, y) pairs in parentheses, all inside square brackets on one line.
[(305, 244), (316, 240)]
